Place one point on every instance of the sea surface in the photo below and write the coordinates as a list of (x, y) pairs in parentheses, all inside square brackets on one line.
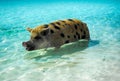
[(97, 60)]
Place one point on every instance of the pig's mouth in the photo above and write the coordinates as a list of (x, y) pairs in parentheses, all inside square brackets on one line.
[(28, 46)]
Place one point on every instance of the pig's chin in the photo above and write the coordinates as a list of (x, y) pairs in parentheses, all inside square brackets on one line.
[(30, 48)]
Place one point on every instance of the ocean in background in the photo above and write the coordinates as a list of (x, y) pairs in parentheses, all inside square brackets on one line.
[(99, 61)]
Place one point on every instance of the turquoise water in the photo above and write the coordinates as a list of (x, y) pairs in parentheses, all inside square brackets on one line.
[(99, 61)]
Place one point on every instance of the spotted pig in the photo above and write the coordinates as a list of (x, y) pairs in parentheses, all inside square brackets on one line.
[(56, 34)]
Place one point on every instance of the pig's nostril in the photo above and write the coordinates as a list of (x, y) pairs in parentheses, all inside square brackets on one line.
[(24, 44)]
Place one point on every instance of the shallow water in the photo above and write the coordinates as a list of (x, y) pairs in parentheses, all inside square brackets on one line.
[(99, 61)]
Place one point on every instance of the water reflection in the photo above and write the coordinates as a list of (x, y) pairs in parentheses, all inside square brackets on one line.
[(66, 49)]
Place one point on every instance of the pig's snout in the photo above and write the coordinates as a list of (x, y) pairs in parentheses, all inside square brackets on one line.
[(24, 44), (28, 45)]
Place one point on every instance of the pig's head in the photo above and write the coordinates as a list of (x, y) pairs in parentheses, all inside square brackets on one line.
[(39, 38)]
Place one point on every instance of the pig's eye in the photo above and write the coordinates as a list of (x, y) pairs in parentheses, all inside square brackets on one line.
[(37, 37)]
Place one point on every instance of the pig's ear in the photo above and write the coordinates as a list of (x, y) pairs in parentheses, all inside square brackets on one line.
[(29, 29)]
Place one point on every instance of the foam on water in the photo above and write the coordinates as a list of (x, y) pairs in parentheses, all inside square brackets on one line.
[(99, 61)]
